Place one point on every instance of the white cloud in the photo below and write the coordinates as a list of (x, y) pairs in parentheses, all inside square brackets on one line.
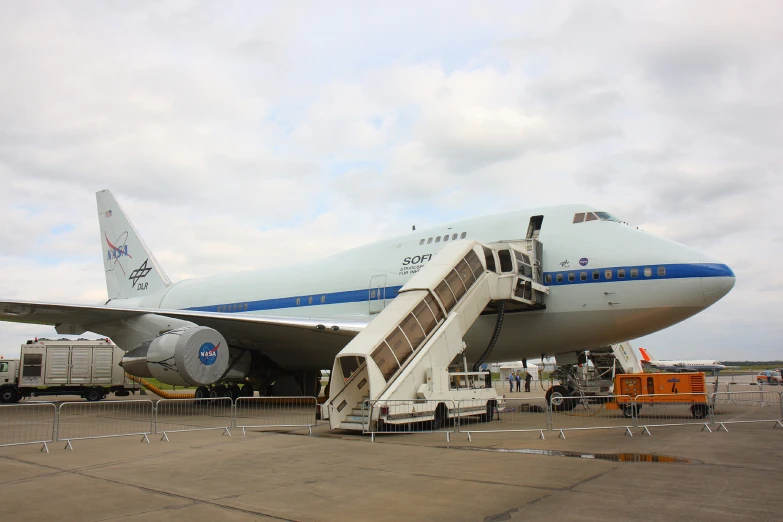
[(231, 132)]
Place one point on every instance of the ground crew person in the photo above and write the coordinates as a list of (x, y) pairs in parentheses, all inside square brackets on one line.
[(528, 378)]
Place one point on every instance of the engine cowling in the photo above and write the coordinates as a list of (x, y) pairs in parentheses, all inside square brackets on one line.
[(189, 356)]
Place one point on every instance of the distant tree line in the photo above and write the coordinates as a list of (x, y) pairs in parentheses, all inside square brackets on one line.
[(775, 364)]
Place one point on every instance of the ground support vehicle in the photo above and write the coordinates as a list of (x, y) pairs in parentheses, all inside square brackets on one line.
[(86, 368), (632, 391)]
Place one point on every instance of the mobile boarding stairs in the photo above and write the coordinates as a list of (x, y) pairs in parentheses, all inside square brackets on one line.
[(397, 370)]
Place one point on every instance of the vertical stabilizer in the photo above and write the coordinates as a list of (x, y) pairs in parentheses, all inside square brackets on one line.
[(646, 356), (131, 269)]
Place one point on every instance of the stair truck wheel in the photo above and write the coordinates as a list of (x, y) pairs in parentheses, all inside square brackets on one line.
[(9, 395), (441, 416), (94, 394), (488, 416), (234, 392), (248, 391), (699, 411), (556, 397)]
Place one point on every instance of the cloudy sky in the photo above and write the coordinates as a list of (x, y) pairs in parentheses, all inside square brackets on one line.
[(237, 132)]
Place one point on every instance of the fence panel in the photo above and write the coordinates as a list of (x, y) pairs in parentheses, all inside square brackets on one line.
[(592, 413), (408, 416), (275, 412), (517, 414), (746, 407), (673, 410), (32, 423), (97, 420), (178, 415)]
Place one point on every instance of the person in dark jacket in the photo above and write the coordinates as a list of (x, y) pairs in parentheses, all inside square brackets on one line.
[(528, 378)]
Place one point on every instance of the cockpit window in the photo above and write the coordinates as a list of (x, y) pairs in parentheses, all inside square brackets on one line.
[(581, 217), (606, 216)]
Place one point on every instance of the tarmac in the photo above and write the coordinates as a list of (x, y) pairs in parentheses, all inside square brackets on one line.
[(335, 475)]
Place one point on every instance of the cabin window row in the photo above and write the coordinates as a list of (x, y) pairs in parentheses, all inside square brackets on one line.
[(581, 217), (411, 333), (609, 274), (241, 307), (446, 237)]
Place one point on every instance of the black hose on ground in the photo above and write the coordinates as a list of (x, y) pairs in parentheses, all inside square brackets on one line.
[(494, 339)]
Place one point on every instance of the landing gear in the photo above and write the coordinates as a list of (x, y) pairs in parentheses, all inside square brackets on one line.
[(234, 392), (202, 392), (248, 391), (556, 397)]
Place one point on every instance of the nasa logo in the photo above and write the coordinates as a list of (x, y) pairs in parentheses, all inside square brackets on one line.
[(583, 261), (207, 354)]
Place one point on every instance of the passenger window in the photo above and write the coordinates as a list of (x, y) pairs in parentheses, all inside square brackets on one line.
[(647, 272), (462, 236), (590, 217), (310, 300), (421, 242), (634, 273), (608, 274), (453, 237), (596, 275), (571, 277), (504, 256), (298, 301), (372, 293), (579, 217), (246, 307), (437, 239), (548, 278), (429, 241), (621, 273), (661, 271), (583, 276), (323, 298), (559, 278), (446, 237)]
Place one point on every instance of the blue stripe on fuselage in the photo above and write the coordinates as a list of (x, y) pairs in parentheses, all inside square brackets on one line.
[(673, 271)]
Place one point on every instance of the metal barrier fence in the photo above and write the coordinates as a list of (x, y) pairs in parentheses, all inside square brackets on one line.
[(98, 420), (673, 410), (747, 407), (592, 413), (178, 415), (518, 414), (275, 412), (407, 416), (34, 423)]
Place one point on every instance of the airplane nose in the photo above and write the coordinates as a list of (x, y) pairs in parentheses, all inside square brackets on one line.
[(718, 284)]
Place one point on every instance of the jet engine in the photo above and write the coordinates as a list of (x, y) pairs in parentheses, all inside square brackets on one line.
[(188, 356)]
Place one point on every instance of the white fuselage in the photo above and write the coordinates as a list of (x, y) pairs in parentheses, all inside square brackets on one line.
[(591, 306)]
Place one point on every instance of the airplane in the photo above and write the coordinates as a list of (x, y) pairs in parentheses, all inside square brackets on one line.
[(702, 365), (608, 282)]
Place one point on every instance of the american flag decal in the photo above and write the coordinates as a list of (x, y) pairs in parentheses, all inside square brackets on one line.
[(107, 213)]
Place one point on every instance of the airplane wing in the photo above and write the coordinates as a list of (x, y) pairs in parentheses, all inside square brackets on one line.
[(275, 335)]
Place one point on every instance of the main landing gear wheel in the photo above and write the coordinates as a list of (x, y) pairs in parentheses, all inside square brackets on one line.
[(202, 392), (234, 392), (556, 397), (221, 391), (248, 391)]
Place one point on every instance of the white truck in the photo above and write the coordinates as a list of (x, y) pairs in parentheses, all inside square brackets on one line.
[(87, 368)]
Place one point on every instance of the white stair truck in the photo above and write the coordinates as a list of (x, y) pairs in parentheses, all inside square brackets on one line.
[(87, 368), (401, 370)]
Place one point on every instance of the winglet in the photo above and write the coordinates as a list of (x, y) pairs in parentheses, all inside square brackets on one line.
[(131, 269)]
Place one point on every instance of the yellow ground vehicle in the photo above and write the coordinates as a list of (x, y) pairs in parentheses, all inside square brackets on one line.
[(673, 388)]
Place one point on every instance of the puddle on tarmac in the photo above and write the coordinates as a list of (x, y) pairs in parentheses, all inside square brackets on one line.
[(615, 457)]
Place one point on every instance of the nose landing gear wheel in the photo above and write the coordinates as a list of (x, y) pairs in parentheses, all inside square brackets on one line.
[(556, 396)]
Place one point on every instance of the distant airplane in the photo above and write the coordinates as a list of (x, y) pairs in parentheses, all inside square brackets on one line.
[(700, 365), (608, 282)]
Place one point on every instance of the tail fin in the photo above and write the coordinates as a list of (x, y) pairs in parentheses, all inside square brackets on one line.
[(131, 269), (646, 356)]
